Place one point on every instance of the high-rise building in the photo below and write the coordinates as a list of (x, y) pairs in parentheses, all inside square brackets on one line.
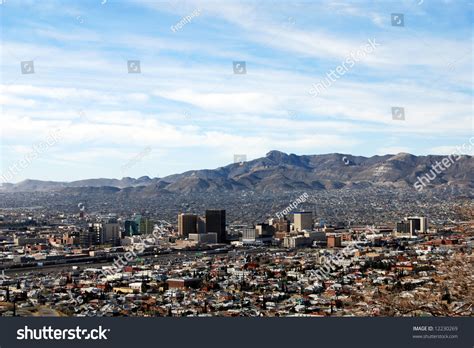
[(264, 230), (137, 218), (146, 226), (413, 225), (131, 228), (99, 233), (89, 236), (187, 224), (110, 233), (303, 221), (249, 234), (215, 222), (201, 225), (418, 224), (403, 227)]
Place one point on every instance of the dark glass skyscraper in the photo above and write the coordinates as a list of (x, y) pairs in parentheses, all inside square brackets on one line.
[(131, 228), (215, 222)]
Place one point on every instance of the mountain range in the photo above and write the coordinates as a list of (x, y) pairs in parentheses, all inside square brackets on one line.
[(278, 171)]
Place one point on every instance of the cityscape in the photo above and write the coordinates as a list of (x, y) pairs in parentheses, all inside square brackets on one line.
[(238, 158), (348, 253)]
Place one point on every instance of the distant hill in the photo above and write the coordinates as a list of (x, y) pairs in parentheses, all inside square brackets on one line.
[(278, 171)]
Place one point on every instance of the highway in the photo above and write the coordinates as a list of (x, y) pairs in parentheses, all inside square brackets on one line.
[(173, 256)]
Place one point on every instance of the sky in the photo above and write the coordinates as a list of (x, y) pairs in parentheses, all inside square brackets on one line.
[(350, 77)]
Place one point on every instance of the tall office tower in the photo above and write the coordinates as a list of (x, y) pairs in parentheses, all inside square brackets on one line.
[(99, 233), (137, 218), (418, 224), (146, 226), (90, 236), (264, 230), (187, 223), (110, 232), (403, 227), (215, 222), (201, 225), (303, 221), (249, 234), (131, 228)]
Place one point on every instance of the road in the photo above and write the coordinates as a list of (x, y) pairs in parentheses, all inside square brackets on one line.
[(156, 258), (173, 256)]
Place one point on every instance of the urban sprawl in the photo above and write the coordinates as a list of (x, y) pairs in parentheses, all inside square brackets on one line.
[(292, 264)]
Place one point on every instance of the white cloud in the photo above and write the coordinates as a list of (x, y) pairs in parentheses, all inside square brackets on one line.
[(187, 98), (231, 102)]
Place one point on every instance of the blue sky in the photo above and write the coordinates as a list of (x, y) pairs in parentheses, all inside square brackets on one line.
[(188, 110)]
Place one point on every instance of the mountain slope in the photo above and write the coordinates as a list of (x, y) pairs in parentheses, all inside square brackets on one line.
[(278, 171)]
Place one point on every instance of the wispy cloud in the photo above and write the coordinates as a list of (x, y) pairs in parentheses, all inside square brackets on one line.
[(188, 101)]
